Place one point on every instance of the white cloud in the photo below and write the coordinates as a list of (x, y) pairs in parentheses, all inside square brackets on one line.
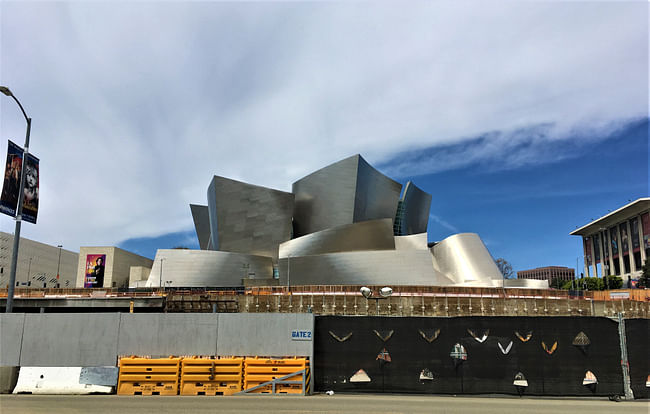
[(136, 105)]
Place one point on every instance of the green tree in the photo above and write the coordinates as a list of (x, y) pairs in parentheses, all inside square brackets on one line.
[(505, 268), (613, 282), (644, 280), (557, 283)]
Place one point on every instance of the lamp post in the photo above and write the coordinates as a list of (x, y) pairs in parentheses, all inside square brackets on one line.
[(29, 270), (160, 280), (288, 273), (19, 209), (58, 266)]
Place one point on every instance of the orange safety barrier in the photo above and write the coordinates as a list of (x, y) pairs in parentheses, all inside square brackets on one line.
[(204, 376), (257, 371), (146, 376)]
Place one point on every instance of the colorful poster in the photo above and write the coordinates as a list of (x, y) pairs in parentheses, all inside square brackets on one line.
[(614, 238), (634, 226), (587, 243), (624, 239), (11, 185), (30, 202), (597, 248), (645, 219), (95, 264)]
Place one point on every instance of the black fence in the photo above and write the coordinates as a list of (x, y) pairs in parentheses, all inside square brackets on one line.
[(637, 334), (417, 355)]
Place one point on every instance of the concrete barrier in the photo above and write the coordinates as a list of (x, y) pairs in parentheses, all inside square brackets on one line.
[(11, 337), (164, 334), (70, 340), (8, 379), (55, 380)]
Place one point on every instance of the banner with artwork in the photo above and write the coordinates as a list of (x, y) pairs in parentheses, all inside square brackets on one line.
[(597, 248), (11, 184), (587, 244), (95, 264), (613, 235), (624, 239), (30, 202), (645, 219), (606, 244), (634, 226)]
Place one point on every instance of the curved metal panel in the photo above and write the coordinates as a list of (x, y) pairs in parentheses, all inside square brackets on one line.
[(201, 224), (387, 267), (465, 259), (413, 216), (348, 191), (526, 283), (411, 242), (367, 235), (201, 268), (246, 218)]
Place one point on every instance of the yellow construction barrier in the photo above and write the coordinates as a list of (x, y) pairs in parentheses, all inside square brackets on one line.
[(147, 376), (279, 376), (204, 376)]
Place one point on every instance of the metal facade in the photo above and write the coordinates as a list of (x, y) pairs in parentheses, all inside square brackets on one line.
[(465, 259), (367, 235), (416, 205), (246, 218), (346, 192), (201, 224)]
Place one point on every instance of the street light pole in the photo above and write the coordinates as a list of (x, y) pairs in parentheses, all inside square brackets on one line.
[(58, 266), (160, 280), (29, 270), (19, 209)]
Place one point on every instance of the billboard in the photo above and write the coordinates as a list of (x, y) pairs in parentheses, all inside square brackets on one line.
[(634, 226), (95, 264), (623, 229), (30, 202), (11, 184), (645, 219), (613, 233)]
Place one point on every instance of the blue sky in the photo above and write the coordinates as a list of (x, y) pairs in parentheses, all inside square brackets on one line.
[(505, 111)]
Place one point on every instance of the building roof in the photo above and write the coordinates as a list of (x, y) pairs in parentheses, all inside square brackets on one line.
[(616, 216)]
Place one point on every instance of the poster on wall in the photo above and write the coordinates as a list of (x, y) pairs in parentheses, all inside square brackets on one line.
[(95, 264), (634, 226), (597, 248), (645, 219), (624, 247), (587, 243), (606, 244), (30, 200), (11, 184), (614, 237)]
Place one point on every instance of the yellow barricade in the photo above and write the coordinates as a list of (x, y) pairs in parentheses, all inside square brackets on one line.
[(260, 370), (203, 376), (145, 376)]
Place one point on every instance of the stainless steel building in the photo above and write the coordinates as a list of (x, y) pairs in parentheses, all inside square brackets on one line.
[(347, 229)]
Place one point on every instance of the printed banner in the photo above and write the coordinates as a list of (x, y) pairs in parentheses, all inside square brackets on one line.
[(11, 185), (597, 248), (624, 246), (606, 244), (645, 219), (30, 202), (614, 237), (587, 243), (634, 225), (95, 264)]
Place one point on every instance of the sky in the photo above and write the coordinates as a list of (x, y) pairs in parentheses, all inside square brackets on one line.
[(523, 119)]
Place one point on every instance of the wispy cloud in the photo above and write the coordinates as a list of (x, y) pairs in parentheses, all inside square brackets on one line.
[(444, 223), (137, 104)]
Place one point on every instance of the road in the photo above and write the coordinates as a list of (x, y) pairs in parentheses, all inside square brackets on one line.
[(353, 404)]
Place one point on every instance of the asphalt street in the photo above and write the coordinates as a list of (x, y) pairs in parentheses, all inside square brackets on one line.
[(353, 404)]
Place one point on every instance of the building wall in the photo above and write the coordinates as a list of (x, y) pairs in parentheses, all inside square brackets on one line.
[(201, 268), (117, 268), (547, 273), (37, 263), (248, 219), (465, 259), (414, 217)]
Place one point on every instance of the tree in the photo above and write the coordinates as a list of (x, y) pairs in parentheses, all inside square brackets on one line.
[(614, 282), (644, 279), (557, 283), (505, 268)]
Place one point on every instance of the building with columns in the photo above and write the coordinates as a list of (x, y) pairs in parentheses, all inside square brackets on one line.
[(619, 242), (547, 273)]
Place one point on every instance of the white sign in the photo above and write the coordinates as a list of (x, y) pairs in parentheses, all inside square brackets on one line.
[(619, 295), (298, 335)]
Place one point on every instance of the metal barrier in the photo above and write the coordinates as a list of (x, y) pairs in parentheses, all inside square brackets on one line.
[(145, 376), (276, 376), (205, 376)]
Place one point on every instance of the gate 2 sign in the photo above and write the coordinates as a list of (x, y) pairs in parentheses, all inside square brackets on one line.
[(298, 335)]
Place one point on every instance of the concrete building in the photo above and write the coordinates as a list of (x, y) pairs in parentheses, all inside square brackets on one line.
[(350, 226), (548, 273), (109, 266), (617, 243), (37, 264)]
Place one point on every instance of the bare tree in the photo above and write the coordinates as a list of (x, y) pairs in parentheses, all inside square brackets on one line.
[(505, 268)]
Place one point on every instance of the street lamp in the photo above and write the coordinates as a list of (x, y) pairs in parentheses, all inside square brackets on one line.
[(384, 293), (161, 266), (19, 209), (29, 270), (58, 266)]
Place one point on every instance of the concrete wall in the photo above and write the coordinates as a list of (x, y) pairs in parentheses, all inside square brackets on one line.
[(37, 263), (117, 267), (98, 339)]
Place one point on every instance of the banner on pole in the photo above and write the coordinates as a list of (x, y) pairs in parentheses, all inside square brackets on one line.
[(30, 202), (11, 184)]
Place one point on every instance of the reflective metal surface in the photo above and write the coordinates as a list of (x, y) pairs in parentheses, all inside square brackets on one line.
[(367, 235), (464, 259), (526, 283), (412, 242), (382, 267), (246, 218), (346, 192), (414, 214), (201, 224), (200, 268)]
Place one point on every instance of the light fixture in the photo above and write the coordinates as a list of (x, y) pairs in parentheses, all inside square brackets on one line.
[(366, 292), (386, 292)]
